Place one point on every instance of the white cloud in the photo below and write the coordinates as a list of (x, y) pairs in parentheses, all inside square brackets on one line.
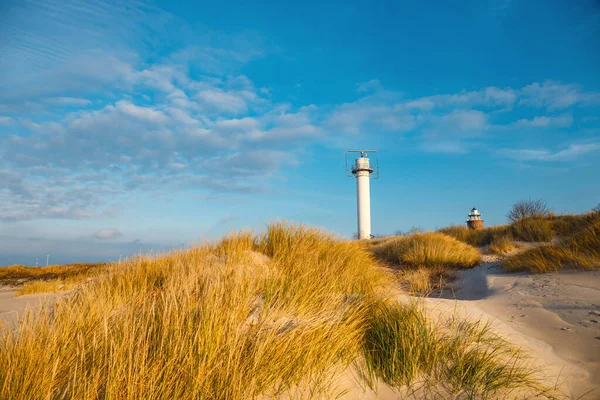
[(147, 114), (563, 121), (182, 116), (464, 121), (436, 146), (359, 117), (371, 86), (219, 100), (420, 104), (500, 97), (68, 101), (108, 233), (285, 133), (572, 152), (556, 96), (6, 120), (237, 125), (157, 130)]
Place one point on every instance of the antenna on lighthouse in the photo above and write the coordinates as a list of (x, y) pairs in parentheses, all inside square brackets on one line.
[(362, 169)]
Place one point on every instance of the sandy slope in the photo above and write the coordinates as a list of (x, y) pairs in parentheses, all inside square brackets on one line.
[(556, 315), (12, 307)]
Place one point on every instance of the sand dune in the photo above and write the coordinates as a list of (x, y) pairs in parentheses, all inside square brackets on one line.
[(554, 316)]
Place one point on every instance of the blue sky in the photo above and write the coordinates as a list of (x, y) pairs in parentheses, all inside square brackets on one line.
[(137, 126)]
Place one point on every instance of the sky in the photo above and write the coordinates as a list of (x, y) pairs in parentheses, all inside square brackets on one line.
[(141, 126)]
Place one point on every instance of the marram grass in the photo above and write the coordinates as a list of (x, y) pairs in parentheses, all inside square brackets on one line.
[(431, 250), (248, 317), (581, 251)]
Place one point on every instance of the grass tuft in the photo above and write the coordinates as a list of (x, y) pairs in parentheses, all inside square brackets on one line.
[(453, 358), (502, 244), (474, 237), (18, 274), (50, 286), (579, 251), (532, 230), (430, 250)]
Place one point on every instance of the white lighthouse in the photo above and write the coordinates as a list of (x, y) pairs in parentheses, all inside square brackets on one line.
[(362, 171)]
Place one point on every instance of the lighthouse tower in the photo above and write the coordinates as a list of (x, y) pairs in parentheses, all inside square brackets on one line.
[(362, 171), (474, 221)]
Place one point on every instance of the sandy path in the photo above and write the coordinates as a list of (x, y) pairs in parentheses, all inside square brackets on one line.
[(554, 317), (12, 306), (557, 314)]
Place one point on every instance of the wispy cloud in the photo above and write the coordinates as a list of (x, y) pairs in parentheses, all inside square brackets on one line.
[(572, 152), (556, 96), (6, 120), (108, 233), (561, 121)]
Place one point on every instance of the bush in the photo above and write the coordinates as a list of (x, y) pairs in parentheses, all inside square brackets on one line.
[(528, 209), (431, 250), (579, 251), (532, 230)]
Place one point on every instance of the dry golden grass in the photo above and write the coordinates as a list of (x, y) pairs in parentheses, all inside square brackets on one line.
[(579, 251), (502, 244), (532, 230), (477, 238), (50, 286), (431, 250), (567, 224), (459, 359), (247, 317), (422, 281), (19, 274)]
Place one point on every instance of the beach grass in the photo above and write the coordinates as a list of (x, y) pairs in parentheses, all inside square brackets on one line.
[(502, 244), (534, 229), (51, 286), (461, 359), (278, 315), (475, 237), (580, 250), (19, 274), (430, 250)]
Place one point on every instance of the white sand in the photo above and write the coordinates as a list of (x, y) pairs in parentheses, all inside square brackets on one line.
[(556, 315), (12, 307)]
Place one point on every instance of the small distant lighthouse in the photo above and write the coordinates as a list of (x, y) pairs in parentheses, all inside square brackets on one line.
[(474, 221)]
